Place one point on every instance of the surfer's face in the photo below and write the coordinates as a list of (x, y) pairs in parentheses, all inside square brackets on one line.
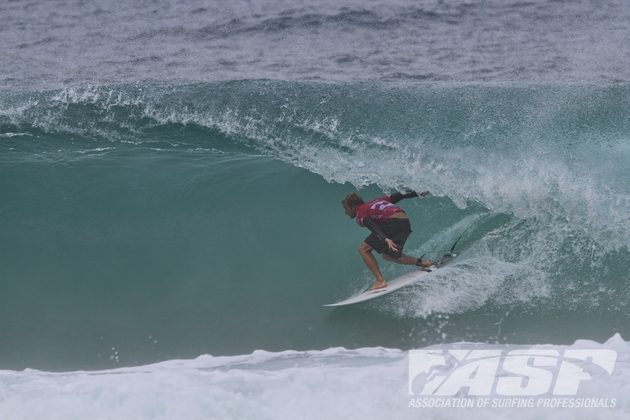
[(350, 211)]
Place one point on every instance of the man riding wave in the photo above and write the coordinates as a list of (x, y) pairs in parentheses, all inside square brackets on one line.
[(390, 228)]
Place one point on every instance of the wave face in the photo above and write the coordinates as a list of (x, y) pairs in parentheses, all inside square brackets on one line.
[(146, 222)]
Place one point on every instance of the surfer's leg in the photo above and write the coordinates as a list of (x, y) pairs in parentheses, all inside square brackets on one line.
[(368, 258), (398, 230), (404, 259), (407, 260)]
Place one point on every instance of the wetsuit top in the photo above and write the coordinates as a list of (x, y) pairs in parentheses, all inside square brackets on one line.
[(377, 211)]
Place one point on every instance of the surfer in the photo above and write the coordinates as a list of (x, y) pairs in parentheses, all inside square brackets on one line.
[(390, 228)]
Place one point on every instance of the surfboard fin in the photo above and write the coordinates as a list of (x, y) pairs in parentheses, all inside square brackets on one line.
[(445, 259)]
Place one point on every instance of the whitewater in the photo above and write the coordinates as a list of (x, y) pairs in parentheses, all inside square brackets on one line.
[(331, 383)]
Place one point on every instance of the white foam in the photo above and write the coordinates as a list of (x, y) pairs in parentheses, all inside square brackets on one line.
[(367, 383)]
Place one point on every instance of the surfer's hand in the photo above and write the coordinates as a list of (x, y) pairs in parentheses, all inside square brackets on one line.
[(424, 193), (392, 246)]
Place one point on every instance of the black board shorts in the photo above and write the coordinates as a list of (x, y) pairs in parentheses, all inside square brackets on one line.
[(397, 230)]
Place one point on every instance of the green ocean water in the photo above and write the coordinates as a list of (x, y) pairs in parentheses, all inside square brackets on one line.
[(150, 222)]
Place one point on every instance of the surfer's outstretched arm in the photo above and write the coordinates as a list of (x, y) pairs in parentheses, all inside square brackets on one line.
[(396, 197)]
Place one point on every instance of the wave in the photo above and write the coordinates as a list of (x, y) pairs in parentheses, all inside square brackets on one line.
[(531, 151), (535, 177), (535, 152)]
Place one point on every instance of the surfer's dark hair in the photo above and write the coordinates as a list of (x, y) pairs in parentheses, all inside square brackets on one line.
[(352, 200)]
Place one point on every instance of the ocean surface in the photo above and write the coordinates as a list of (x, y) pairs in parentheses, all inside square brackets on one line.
[(170, 184)]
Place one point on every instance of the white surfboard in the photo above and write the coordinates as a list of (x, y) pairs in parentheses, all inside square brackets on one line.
[(393, 285)]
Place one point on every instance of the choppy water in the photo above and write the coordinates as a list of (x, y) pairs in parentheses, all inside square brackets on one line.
[(73, 42)]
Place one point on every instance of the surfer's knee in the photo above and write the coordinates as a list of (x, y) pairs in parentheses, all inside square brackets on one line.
[(364, 248)]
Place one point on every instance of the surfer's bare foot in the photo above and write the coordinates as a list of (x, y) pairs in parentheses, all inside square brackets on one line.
[(424, 263), (378, 285)]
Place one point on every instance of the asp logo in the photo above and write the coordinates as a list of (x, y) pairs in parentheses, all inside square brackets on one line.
[(522, 372)]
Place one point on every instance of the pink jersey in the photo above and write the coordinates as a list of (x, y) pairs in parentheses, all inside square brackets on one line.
[(379, 210)]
